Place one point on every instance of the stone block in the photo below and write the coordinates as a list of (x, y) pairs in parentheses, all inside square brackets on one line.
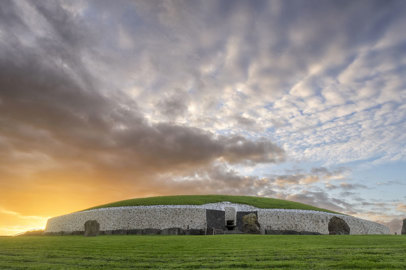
[(150, 231), (289, 232), (240, 215), (92, 228), (173, 231), (134, 231), (338, 226), (119, 232), (194, 232), (215, 220), (250, 224)]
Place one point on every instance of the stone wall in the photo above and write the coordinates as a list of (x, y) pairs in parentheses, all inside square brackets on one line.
[(230, 213), (127, 218), (313, 221), (195, 218)]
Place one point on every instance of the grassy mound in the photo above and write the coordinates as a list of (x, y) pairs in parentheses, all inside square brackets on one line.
[(259, 202)]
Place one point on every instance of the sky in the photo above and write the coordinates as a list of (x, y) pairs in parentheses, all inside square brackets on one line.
[(109, 100)]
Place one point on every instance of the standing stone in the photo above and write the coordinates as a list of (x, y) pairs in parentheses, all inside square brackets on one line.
[(404, 227), (215, 220), (250, 224), (338, 226), (92, 228)]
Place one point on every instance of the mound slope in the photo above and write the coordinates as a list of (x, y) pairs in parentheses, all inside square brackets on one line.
[(259, 202)]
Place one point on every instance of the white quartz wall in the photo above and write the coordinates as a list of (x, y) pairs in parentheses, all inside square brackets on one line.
[(230, 213), (194, 217), (126, 218), (314, 221)]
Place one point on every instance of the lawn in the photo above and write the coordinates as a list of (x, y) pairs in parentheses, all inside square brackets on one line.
[(204, 252), (260, 202)]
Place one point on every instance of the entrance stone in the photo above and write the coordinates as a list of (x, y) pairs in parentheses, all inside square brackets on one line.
[(250, 224), (239, 217)]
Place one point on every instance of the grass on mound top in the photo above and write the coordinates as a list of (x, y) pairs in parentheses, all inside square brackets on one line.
[(260, 202)]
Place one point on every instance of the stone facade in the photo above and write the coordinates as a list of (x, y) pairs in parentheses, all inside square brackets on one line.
[(203, 219), (230, 213), (313, 221), (127, 218)]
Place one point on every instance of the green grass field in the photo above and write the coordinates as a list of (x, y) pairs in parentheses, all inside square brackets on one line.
[(204, 252), (259, 202)]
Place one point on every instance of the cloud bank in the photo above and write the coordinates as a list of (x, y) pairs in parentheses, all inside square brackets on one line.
[(104, 100)]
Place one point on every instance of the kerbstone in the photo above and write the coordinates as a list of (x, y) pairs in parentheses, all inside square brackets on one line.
[(92, 228), (250, 224), (240, 216), (338, 226)]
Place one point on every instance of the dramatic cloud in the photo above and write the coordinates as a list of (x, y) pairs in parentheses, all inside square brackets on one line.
[(222, 179), (103, 100), (49, 100), (55, 121)]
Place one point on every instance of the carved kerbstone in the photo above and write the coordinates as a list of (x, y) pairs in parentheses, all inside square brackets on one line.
[(92, 228), (338, 226), (250, 224)]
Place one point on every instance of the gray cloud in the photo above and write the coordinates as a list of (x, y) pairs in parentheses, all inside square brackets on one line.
[(391, 182), (347, 194), (345, 186), (321, 199), (244, 121), (162, 97), (248, 67), (51, 107), (174, 106), (221, 179), (215, 179)]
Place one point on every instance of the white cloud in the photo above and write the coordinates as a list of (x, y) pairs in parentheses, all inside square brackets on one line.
[(327, 92)]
